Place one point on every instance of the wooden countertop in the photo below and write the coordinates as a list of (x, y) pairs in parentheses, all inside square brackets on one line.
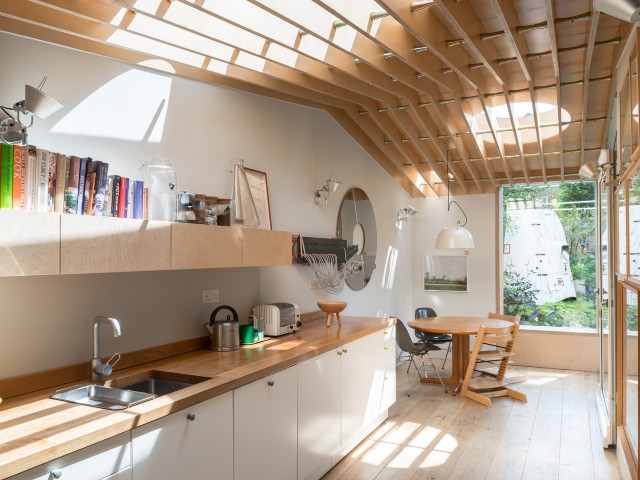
[(35, 429)]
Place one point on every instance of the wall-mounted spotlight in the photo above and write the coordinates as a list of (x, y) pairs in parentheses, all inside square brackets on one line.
[(13, 129), (406, 212), (323, 193), (627, 10)]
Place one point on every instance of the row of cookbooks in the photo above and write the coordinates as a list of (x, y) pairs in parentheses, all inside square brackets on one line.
[(35, 179)]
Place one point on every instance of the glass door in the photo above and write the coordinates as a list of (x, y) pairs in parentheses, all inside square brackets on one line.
[(605, 248)]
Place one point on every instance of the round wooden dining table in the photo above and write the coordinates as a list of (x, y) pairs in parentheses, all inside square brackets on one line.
[(460, 328)]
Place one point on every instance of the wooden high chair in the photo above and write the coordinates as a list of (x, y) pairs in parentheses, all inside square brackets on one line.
[(483, 389)]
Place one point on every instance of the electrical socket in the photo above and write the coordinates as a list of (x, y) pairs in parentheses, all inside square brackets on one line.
[(211, 296)]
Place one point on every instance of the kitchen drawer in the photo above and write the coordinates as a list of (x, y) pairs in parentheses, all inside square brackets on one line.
[(97, 462)]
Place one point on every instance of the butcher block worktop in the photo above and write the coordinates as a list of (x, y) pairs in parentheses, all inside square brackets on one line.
[(35, 429)]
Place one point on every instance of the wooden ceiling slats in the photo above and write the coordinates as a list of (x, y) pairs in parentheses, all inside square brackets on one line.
[(417, 76)]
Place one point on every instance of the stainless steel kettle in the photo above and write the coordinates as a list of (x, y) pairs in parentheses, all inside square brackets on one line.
[(225, 334)]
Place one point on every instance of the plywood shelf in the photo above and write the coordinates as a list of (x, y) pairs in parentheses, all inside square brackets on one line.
[(36, 243)]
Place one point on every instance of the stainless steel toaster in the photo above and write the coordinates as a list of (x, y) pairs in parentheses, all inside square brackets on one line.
[(279, 318)]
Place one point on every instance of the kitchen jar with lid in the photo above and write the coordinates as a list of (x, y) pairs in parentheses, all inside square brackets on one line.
[(185, 208), (224, 212), (199, 208), (210, 210)]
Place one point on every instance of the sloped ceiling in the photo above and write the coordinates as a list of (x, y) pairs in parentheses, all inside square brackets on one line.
[(483, 92)]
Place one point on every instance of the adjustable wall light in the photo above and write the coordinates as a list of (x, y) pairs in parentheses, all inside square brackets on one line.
[(13, 129), (323, 193), (406, 212)]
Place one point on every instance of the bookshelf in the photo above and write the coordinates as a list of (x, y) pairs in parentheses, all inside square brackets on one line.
[(36, 243)]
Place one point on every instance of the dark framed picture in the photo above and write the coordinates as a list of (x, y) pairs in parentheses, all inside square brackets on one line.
[(260, 192)]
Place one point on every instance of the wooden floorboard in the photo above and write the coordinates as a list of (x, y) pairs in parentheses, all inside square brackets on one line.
[(431, 435)]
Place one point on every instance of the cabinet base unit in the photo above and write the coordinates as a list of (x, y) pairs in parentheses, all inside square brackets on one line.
[(108, 459), (191, 443)]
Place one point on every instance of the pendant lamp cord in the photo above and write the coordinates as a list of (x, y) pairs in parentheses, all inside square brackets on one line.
[(449, 202)]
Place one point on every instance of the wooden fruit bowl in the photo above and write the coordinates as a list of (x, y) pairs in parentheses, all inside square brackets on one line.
[(330, 307)]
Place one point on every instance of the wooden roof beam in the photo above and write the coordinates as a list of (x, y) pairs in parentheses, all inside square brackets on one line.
[(553, 40), (593, 30)]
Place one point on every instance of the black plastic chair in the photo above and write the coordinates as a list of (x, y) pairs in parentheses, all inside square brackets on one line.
[(436, 338), (416, 349)]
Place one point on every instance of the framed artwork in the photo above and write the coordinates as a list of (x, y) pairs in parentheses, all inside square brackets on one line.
[(260, 192), (445, 273)]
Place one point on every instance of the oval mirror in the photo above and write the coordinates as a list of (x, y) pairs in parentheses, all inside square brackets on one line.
[(357, 225)]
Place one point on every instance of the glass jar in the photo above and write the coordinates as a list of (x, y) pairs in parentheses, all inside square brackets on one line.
[(210, 210), (224, 212), (185, 208), (159, 177), (199, 208)]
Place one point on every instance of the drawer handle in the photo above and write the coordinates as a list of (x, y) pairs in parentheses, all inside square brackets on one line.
[(344, 350), (55, 473), (271, 383), (191, 416), (339, 352), (386, 348)]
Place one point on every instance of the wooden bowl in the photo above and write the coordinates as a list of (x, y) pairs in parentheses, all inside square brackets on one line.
[(331, 307)]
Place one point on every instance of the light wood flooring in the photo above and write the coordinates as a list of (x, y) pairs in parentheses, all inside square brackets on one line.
[(433, 435)]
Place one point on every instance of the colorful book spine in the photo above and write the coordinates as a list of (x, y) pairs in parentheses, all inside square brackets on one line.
[(19, 177), (43, 182), (82, 178), (115, 195), (92, 188), (122, 201), (61, 171), (100, 190), (6, 177), (138, 188), (145, 203), (86, 201), (128, 209), (32, 178), (67, 172), (71, 200), (51, 181)]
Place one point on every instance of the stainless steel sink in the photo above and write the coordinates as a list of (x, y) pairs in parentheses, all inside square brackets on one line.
[(103, 397), (157, 386)]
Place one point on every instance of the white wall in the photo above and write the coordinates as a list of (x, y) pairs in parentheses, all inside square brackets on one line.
[(432, 217), (122, 115)]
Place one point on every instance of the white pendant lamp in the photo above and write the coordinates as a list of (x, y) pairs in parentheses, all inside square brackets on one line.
[(455, 236)]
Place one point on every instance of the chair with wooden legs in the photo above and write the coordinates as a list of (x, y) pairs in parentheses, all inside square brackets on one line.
[(483, 389), (490, 367)]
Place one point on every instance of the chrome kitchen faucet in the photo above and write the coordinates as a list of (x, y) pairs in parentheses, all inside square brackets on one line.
[(99, 369)]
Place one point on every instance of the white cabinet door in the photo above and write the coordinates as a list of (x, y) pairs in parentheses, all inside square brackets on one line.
[(356, 380), (387, 359), (92, 463), (318, 414), (193, 443), (265, 428)]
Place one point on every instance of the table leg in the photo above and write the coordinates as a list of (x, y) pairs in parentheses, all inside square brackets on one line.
[(460, 360)]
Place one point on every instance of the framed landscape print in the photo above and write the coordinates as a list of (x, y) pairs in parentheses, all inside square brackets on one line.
[(445, 273), (260, 192)]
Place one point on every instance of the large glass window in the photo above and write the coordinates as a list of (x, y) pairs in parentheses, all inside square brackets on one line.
[(630, 367), (549, 250)]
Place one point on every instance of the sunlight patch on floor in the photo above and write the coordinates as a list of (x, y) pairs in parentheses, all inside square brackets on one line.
[(377, 454), (402, 433), (405, 458), (425, 437), (435, 459)]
